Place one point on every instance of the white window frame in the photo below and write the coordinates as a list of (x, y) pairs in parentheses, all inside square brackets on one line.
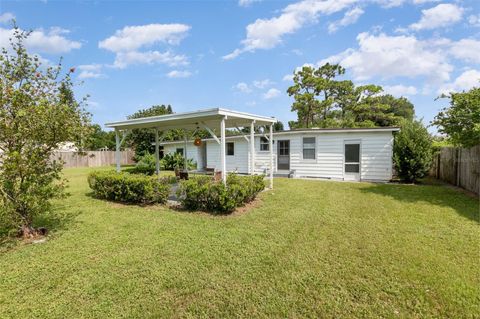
[(315, 155), (226, 148), (264, 143), (180, 148)]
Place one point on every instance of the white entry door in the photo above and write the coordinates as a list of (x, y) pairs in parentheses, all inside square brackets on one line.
[(351, 166)]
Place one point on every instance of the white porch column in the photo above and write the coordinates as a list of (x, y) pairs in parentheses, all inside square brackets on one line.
[(185, 160), (222, 151), (117, 149), (157, 156), (270, 147), (252, 148)]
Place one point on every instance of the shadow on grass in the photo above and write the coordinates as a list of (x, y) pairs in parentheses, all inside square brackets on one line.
[(431, 192), (55, 221)]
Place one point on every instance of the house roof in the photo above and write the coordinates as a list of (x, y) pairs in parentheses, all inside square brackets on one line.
[(309, 130), (192, 120)]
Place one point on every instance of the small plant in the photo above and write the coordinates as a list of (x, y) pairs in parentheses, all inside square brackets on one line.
[(412, 151), (146, 165), (203, 193), (176, 161), (129, 188)]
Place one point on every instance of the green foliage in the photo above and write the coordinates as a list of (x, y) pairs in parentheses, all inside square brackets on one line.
[(203, 193), (37, 112), (176, 160), (412, 151), (129, 188), (461, 121), (146, 165), (99, 139), (141, 139), (323, 101)]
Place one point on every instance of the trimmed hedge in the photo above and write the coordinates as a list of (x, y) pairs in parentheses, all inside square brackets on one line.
[(202, 193), (129, 188)]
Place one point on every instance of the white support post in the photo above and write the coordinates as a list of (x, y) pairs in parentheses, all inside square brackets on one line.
[(157, 155), (117, 150), (222, 151), (185, 161), (270, 147), (252, 148)]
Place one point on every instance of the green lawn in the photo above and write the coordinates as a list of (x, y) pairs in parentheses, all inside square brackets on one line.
[(309, 249)]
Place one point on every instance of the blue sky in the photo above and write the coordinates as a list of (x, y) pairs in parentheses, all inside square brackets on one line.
[(241, 54)]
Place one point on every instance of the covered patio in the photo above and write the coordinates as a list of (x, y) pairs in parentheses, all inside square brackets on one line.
[(216, 121)]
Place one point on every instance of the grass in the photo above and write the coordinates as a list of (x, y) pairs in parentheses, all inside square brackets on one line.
[(309, 249)]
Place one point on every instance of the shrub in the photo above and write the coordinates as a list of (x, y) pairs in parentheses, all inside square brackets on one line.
[(145, 165), (129, 188), (176, 160), (203, 193), (412, 151)]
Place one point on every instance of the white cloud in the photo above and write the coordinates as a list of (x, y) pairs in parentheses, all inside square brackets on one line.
[(466, 49), (52, 41), (179, 74), (350, 17), (439, 16), (127, 42), (465, 81), (262, 83), (391, 56), (474, 20), (400, 90), (268, 33), (246, 3), (287, 77), (123, 59), (396, 3), (131, 38), (90, 71), (6, 17), (243, 87), (272, 93)]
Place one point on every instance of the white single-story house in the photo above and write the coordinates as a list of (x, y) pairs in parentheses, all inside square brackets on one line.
[(340, 154)]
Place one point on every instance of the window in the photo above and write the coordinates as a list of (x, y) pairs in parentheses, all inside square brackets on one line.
[(309, 148), (230, 149), (264, 144), (179, 151)]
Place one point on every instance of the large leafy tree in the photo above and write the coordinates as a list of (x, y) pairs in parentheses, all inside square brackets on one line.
[(461, 121), (99, 139), (37, 113), (412, 151), (321, 100), (141, 139)]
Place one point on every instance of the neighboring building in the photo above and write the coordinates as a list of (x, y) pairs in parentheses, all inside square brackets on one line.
[(67, 147), (341, 154)]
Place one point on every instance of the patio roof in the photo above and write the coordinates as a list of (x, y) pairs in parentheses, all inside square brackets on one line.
[(191, 120)]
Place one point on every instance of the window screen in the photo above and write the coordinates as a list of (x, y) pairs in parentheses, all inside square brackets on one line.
[(352, 153), (309, 148), (230, 148), (352, 168), (264, 146)]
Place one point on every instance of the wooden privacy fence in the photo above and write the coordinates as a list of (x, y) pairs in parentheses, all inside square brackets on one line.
[(94, 158), (458, 166)]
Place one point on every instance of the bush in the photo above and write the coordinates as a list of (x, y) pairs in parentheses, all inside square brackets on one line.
[(145, 165), (176, 160), (412, 151), (129, 188), (202, 193)]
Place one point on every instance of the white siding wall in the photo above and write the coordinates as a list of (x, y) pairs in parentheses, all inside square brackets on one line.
[(238, 162), (376, 155)]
